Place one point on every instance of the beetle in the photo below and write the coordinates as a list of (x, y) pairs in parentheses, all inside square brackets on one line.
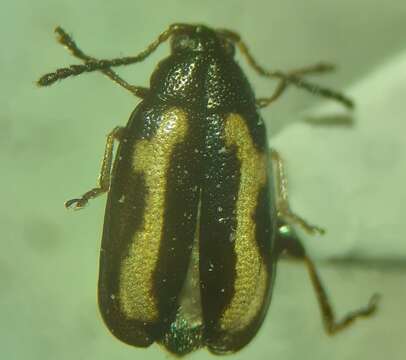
[(197, 213)]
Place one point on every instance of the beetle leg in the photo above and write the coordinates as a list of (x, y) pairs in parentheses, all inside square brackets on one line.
[(294, 79), (66, 40), (287, 242), (280, 89), (288, 78), (105, 172), (282, 203), (92, 64), (331, 324)]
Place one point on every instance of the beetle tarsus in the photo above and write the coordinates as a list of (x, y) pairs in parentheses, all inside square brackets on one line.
[(76, 204)]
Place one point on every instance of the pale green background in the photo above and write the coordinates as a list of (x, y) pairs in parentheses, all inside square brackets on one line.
[(51, 141)]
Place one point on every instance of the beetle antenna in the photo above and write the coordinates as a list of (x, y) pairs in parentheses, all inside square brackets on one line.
[(293, 78), (92, 64)]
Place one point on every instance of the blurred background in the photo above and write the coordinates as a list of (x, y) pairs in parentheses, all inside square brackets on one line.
[(347, 178)]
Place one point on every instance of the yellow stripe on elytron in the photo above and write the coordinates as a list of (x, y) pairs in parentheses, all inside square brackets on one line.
[(151, 159), (250, 274)]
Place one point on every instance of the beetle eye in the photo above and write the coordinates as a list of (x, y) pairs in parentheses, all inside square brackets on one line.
[(228, 46)]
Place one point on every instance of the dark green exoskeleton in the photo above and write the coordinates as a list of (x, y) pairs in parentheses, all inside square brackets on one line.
[(197, 209)]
